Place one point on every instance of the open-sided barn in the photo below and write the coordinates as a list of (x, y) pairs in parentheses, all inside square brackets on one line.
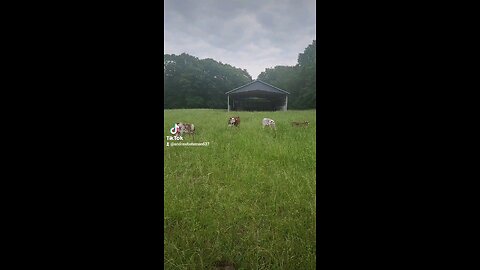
[(257, 96)]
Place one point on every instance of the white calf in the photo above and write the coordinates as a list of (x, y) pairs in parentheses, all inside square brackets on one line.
[(267, 122), (185, 128)]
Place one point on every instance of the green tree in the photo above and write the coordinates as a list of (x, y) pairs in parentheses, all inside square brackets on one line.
[(299, 80), (193, 83)]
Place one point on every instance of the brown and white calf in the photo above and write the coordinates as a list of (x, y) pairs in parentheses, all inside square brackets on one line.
[(185, 128), (234, 121), (297, 124), (267, 122)]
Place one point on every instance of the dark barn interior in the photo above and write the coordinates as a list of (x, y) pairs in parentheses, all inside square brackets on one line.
[(257, 96)]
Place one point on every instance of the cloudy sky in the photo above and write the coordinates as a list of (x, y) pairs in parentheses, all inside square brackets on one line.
[(248, 34)]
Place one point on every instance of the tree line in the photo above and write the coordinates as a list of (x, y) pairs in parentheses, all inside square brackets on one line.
[(190, 82), (299, 80)]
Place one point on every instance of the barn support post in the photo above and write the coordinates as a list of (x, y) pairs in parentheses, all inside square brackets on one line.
[(286, 103), (228, 103)]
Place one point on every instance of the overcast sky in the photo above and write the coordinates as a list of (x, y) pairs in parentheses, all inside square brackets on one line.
[(248, 34)]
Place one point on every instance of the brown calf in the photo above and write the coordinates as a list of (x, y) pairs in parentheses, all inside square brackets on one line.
[(234, 121), (300, 124)]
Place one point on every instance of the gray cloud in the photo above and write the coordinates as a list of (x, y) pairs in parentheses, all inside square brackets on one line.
[(252, 35)]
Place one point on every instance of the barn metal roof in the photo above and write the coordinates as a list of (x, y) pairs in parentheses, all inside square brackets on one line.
[(257, 85)]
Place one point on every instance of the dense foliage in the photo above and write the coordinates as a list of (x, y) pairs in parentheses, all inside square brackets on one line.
[(201, 83), (299, 80), (194, 83)]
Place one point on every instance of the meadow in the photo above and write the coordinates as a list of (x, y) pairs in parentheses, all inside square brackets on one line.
[(247, 200)]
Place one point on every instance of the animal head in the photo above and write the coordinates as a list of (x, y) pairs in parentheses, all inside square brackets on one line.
[(268, 121), (234, 121)]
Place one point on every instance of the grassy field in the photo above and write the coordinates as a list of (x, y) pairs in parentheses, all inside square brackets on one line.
[(247, 199)]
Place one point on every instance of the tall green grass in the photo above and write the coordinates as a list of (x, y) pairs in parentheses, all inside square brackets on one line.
[(248, 198)]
